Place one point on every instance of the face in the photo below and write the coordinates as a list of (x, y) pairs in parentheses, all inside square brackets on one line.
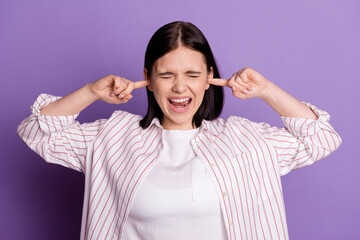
[(179, 80)]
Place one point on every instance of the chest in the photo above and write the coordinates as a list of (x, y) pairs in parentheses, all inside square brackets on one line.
[(125, 158)]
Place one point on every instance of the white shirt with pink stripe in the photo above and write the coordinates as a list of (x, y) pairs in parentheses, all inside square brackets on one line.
[(243, 161)]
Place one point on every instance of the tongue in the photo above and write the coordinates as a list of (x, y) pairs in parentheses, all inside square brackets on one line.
[(180, 104)]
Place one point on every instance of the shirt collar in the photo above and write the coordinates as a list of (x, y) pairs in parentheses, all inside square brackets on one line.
[(209, 126), (205, 126), (156, 122)]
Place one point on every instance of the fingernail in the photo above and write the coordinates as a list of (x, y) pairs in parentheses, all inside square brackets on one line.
[(249, 88), (121, 95), (234, 88), (113, 95), (243, 91)]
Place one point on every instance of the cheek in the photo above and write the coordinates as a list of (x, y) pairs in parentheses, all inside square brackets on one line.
[(201, 86), (207, 85), (159, 91)]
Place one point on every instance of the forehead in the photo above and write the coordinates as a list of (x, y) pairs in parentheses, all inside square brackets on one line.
[(181, 59)]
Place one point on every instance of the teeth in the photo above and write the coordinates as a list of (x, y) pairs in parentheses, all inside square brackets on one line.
[(180, 100)]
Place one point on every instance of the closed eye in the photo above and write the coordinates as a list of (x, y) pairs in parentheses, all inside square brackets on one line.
[(165, 75), (193, 74)]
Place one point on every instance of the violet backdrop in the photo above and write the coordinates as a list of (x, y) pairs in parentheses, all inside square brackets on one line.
[(310, 48)]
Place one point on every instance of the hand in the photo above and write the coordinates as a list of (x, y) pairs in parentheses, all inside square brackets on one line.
[(115, 89), (246, 83)]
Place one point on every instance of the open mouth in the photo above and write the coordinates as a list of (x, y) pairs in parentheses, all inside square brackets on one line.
[(179, 104)]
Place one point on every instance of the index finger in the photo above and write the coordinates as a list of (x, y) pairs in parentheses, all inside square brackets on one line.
[(142, 83), (218, 81)]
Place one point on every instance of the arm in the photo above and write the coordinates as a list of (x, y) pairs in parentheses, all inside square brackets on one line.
[(302, 142), (247, 83), (71, 104), (285, 104), (307, 136), (52, 131), (110, 89), (58, 139)]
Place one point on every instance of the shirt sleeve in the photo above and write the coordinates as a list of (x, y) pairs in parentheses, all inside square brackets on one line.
[(58, 139), (302, 141)]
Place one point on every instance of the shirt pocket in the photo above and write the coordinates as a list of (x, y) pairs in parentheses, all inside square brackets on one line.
[(203, 189), (250, 180)]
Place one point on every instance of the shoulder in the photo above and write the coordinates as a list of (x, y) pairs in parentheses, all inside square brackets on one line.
[(231, 121), (123, 119), (231, 124), (125, 115)]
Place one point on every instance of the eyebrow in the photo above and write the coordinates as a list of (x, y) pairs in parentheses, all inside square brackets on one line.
[(193, 72), (170, 73), (164, 73)]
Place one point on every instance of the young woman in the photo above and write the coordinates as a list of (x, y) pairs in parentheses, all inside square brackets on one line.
[(180, 172)]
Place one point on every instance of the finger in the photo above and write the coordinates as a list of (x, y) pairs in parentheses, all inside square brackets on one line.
[(233, 84), (245, 73), (128, 97), (124, 99), (240, 92), (243, 80), (140, 84), (218, 81), (116, 82), (119, 86), (240, 95), (242, 89), (118, 100), (239, 88), (241, 83), (127, 90)]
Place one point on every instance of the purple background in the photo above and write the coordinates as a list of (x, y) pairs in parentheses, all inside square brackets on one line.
[(309, 48)]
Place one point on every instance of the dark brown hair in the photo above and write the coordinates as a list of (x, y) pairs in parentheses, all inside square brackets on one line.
[(168, 38)]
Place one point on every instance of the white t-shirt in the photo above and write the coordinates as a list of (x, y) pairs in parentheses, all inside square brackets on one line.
[(177, 199)]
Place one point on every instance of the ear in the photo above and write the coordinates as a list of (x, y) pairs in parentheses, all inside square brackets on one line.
[(147, 78), (210, 76)]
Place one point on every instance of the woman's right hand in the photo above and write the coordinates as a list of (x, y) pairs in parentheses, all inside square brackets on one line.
[(115, 89)]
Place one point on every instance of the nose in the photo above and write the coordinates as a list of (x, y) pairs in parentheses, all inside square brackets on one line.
[(180, 84)]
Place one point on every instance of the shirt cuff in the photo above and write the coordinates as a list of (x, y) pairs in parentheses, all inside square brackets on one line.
[(50, 124), (305, 126)]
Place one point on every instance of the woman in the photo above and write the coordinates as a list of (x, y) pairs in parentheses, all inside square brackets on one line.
[(180, 172)]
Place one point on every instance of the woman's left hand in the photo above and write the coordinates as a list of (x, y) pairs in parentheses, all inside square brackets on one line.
[(246, 83)]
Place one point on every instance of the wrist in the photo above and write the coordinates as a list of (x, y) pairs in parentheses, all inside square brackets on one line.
[(267, 91), (90, 91)]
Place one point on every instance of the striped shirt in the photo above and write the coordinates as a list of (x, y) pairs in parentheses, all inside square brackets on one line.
[(244, 159)]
